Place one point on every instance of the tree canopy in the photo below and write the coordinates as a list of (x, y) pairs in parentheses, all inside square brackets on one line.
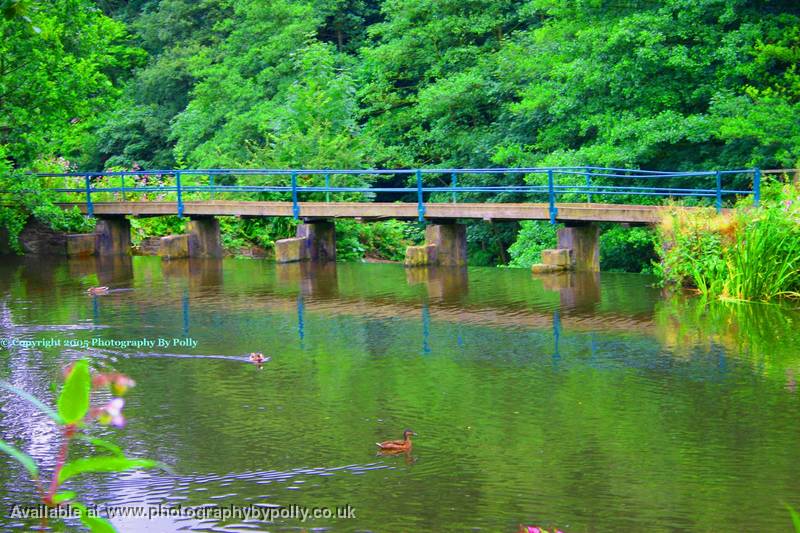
[(669, 84)]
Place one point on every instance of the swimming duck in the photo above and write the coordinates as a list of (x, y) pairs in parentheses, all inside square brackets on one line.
[(258, 358), (97, 290), (398, 445)]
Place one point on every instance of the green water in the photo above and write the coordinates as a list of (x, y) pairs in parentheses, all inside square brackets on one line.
[(591, 402)]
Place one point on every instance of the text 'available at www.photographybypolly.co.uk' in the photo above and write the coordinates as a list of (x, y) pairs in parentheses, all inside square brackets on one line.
[(267, 513)]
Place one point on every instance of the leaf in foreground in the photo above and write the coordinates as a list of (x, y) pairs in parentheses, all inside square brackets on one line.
[(94, 523), (73, 402), (36, 402), (104, 464), (23, 458)]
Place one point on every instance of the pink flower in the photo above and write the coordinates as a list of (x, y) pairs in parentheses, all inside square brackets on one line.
[(111, 413)]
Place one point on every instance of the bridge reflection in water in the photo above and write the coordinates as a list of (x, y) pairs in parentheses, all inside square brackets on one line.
[(442, 295)]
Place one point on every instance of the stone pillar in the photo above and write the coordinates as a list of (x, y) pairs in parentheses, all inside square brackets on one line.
[(315, 241), (204, 239), (113, 236), (320, 240), (450, 241), (584, 245)]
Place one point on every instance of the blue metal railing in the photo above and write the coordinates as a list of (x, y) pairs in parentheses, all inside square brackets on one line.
[(582, 181)]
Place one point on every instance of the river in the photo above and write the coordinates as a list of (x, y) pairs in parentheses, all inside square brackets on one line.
[(588, 402)]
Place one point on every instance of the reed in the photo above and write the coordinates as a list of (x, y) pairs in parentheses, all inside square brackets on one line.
[(752, 255)]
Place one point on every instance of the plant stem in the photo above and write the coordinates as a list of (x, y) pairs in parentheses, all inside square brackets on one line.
[(69, 431)]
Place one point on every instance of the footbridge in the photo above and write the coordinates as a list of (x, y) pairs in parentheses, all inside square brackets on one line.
[(578, 197)]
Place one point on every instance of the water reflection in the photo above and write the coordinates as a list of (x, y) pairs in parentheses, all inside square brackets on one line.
[(567, 400), (578, 291), (447, 284)]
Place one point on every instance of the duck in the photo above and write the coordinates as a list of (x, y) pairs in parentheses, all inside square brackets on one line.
[(258, 358), (97, 290), (397, 445)]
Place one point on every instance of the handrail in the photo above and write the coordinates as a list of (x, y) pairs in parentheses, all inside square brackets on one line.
[(551, 188)]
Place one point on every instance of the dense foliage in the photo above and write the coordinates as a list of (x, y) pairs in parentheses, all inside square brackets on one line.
[(748, 255), (673, 84)]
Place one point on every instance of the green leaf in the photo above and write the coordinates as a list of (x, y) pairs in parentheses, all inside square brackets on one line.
[(63, 496), (23, 458), (103, 464), (36, 402), (94, 523), (795, 517), (73, 403), (101, 443)]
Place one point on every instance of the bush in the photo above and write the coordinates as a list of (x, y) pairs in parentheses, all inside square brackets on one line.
[(751, 254), (378, 240), (534, 236), (142, 228), (624, 249)]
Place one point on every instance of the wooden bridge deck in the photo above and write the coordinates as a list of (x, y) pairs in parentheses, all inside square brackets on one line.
[(634, 214)]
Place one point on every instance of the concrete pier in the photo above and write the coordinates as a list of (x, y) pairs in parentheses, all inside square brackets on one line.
[(315, 241), (113, 236), (204, 240), (320, 239), (583, 242), (451, 243), (174, 246), (81, 244)]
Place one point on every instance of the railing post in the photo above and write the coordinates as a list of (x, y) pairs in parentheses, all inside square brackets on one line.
[(211, 185), (180, 194), (327, 186), (588, 186), (122, 185), (552, 194), (420, 204), (89, 206), (719, 191), (756, 187), (295, 207), (454, 178)]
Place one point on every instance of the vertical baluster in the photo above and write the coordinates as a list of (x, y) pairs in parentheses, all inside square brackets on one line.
[(180, 194), (588, 186), (454, 178), (757, 187), (552, 194), (295, 206), (89, 206), (719, 191), (420, 204)]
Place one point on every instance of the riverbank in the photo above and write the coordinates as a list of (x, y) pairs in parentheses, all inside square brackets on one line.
[(746, 254)]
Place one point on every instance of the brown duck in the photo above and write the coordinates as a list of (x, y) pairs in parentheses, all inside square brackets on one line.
[(258, 358), (97, 290), (397, 445)]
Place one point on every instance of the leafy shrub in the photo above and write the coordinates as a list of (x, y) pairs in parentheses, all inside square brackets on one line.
[(624, 249), (378, 240), (534, 236), (142, 228), (752, 254)]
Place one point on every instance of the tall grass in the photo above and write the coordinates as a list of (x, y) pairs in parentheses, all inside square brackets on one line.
[(753, 254), (764, 262)]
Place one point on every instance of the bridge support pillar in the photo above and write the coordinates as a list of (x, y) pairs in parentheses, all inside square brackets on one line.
[(113, 236), (315, 241), (583, 244), (320, 240), (451, 243), (204, 241)]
